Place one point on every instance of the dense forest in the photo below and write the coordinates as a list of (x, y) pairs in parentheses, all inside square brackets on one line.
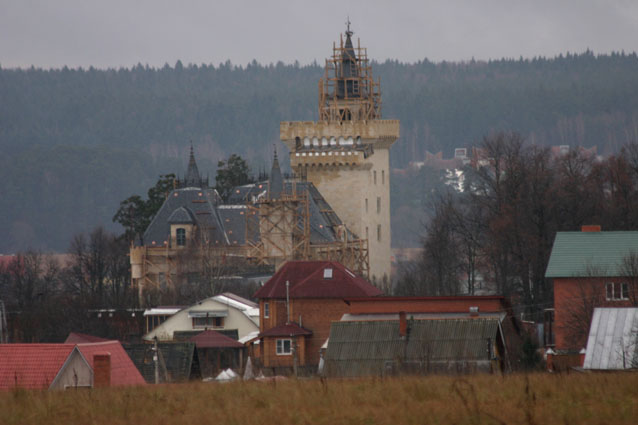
[(76, 142)]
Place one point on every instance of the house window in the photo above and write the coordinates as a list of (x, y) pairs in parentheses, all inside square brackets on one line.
[(367, 233), (327, 273), (366, 204), (180, 236), (374, 174), (266, 310), (382, 176), (616, 291), (379, 232), (284, 347), (208, 322), (378, 204)]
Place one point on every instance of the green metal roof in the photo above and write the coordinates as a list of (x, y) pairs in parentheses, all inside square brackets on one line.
[(373, 347), (583, 254)]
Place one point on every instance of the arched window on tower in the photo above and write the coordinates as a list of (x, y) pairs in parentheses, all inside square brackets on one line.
[(180, 236)]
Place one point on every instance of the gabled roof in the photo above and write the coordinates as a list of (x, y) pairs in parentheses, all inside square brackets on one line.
[(310, 279), (181, 216), (613, 339), (214, 339), (79, 338), (123, 370), (441, 345), (590, 254), (200, 203), (289, 329), (31, 366)]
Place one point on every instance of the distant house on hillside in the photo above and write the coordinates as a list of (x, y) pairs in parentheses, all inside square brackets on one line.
[(590, 269), (297, 306)]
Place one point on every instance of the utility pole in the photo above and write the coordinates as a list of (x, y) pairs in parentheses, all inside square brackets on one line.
[(287, 302), (4, 331), (156, 360)]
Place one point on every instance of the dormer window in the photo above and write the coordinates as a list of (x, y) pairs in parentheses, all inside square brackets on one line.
[(180, 236), (327, 273)]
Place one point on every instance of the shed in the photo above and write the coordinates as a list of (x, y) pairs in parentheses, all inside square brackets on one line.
[(217, 352), (613, 339), (368, 348)]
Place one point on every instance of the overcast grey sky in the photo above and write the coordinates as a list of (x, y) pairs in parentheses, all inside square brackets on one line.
[(114, 33)]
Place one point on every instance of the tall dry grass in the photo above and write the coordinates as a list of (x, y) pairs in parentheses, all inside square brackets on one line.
[(516, 399)]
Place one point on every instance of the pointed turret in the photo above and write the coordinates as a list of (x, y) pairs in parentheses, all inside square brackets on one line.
[(276, 181), (192, 177)]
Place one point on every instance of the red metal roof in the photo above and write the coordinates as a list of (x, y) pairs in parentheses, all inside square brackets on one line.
[(123, 370), (79, 338), (214, 339), (31, 366), (289, 329), (307, 281), (35, 366)]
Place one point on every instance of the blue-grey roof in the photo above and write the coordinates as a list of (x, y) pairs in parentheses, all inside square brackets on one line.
[(229, 224), (201, 203), (181, 215), (613, 339), (585, 254)]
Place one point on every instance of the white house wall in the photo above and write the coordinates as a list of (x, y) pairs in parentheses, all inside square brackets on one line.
[(236, 319)]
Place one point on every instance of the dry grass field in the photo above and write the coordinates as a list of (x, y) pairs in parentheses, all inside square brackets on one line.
[(516, 399)]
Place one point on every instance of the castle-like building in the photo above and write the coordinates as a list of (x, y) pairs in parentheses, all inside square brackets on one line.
[(346, 153), (336, 208)]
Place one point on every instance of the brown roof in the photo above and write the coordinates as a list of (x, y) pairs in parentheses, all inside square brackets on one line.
[(289, 329), (79, 338), (214, 339), (308, 280)]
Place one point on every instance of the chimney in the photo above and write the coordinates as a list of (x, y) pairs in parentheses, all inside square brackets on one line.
[(101, 370), (474, 311), (403, 324), (589, 228)]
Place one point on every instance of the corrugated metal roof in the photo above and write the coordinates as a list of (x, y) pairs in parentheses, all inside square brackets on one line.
[(584, 254), (613, 339), (371, 347)]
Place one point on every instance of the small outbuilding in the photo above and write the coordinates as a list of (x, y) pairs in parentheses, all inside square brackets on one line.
[(389, 347), (613, 339), (217, 352)]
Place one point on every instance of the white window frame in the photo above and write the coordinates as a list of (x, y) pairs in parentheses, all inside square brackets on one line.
[(280, 347), (266, 310), (611, 287)]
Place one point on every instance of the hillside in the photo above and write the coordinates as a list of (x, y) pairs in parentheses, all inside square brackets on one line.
[(76, 142)]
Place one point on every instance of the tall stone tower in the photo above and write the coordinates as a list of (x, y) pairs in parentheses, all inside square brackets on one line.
[(346, 152)]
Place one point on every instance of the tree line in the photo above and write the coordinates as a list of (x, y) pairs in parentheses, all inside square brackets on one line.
[(500, 229), (76, 141)]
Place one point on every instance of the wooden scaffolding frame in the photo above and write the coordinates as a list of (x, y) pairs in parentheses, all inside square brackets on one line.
[(365, 101)]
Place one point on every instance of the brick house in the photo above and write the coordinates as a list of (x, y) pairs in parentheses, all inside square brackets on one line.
[(590, 269), (298, 328)]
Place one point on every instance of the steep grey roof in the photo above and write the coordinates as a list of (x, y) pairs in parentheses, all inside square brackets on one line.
[(201, 203), (192, 177), (234, 220), (276, 181), (324, 222), (443, 345), (181, 216), (587, 254), (613, 339)]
